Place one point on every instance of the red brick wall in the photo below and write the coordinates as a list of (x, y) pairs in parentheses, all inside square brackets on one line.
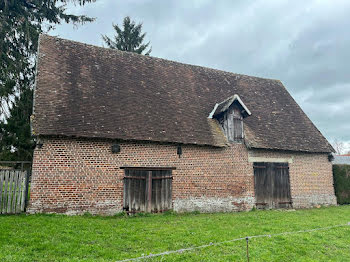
[(81, 175)]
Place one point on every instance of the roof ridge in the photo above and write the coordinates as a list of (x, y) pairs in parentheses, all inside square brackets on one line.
[(159, 58)]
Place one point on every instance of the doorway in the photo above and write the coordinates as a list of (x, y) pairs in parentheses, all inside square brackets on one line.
[(147, 190), (272, 185)]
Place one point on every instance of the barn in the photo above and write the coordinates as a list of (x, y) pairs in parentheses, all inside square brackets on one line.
[(119, 131)]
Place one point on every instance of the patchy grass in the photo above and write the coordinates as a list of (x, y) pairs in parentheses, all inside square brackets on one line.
[(94, 238)]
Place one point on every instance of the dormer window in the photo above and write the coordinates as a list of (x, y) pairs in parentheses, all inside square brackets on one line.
[(230, 114), (232, 123)]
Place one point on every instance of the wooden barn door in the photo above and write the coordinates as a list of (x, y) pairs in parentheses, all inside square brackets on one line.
[(147, 190), (135, 190), (263, 185), (272, 186), (281, 185), (161, 190)]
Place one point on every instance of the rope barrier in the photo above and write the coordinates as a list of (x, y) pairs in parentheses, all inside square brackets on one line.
[(229, 241)]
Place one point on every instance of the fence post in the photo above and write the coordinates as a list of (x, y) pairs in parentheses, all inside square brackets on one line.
[(2, 182), (27, 175), (247, 239)]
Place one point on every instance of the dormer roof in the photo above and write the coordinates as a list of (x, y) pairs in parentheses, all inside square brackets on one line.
[(223, 106)]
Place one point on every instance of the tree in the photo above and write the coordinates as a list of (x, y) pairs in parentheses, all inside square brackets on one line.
[(17, 142), (338, 146), (129, 39), (21, 22)]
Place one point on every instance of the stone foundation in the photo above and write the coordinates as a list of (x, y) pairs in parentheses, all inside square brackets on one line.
[(212, 205), (107, 208), (307, 201)]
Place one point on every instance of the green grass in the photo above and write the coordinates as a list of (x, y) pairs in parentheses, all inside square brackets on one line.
[(94, 238)]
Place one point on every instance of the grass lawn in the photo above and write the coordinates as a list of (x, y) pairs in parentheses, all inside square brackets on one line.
[(89, 238)]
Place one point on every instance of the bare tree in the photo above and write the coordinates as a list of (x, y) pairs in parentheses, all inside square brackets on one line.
[(338, 146)]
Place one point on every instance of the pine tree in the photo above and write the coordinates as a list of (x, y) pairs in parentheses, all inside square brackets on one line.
[(17, 142), (129, 39), (21, 22)]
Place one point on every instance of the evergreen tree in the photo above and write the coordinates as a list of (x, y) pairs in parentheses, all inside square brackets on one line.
[(129, 39), (21, 22), (17, 142)]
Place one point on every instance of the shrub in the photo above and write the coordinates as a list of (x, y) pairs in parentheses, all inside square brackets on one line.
[(341, 177)]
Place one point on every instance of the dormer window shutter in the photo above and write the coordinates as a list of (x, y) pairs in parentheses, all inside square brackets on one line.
[(230, 114), (237, 122), (232, 124)]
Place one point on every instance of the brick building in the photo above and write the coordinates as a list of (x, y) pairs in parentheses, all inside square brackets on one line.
[(120, 131)]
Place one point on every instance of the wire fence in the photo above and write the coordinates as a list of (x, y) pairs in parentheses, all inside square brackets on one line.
[(247, 238)]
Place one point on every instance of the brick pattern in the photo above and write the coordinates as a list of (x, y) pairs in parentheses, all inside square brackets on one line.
[(74, 176)]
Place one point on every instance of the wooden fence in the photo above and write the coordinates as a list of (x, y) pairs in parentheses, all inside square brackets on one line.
[(13, 191)]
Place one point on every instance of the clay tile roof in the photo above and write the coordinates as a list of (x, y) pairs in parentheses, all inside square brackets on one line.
[(88, 91)]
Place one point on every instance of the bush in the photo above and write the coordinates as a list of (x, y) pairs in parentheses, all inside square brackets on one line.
[(341, 177)]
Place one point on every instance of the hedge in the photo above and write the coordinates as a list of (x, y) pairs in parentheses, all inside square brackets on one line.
[(341, 178)]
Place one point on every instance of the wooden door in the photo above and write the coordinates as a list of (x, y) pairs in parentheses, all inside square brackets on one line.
[(135, 190), (281, 185), (272, 186), (147, 190), (263, 186)]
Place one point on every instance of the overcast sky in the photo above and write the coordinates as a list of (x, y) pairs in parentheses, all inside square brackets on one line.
[(305, 44)]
